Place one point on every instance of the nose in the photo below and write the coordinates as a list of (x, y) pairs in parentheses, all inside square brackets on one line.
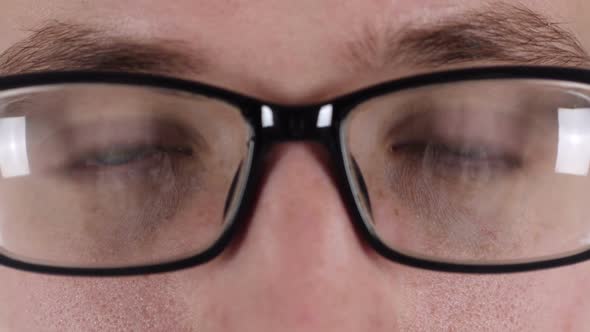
[(298, 264), (299, 217)]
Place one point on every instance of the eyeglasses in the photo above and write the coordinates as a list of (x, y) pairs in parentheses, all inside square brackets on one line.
[(478, 170)]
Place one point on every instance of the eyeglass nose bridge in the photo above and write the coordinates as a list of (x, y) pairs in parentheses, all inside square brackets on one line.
[(296, 123)]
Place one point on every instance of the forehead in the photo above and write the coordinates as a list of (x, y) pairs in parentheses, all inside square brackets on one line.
[(288, 50)]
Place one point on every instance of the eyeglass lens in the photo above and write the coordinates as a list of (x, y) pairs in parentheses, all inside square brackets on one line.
[(486, 172)]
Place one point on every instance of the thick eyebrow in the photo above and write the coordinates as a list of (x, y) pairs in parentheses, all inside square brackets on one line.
[(62, 46), (499, 33)]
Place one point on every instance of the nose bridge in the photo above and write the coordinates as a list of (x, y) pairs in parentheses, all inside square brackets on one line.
[(299, 216), (298, 259)]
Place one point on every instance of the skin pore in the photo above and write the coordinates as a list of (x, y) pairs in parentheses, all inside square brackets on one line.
[(298, 265)]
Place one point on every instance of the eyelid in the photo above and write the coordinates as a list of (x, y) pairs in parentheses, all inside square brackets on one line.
[(131, 154), (66, 145), (506, 132)]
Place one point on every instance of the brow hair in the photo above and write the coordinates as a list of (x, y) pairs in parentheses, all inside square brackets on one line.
[(65, 46), (497, 33)]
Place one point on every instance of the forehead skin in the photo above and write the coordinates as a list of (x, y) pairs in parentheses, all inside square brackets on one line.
[(289, 52)]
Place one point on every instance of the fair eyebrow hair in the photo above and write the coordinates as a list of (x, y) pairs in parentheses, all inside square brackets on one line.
[(499, 33)]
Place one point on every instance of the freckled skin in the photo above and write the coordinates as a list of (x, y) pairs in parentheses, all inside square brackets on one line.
[(299, 265)]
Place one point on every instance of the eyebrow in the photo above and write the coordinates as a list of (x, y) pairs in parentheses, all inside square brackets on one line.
[(498, 33), (60, 46)]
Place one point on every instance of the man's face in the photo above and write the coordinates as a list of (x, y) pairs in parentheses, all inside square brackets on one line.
[(298, 265)]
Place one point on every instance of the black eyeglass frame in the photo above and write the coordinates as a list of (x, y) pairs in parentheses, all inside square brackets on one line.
[(296, 123)]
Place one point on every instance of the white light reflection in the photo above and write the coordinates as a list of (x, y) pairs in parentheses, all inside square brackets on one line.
[(573, 151), (325, 116), (267, 117), (14, 160)]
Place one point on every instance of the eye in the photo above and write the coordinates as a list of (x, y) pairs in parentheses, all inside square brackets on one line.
[(118, 157), (448, 152), (122, 156), (457, 160)]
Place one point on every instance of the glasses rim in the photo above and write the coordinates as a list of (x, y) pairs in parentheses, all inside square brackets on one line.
[(291, 123)]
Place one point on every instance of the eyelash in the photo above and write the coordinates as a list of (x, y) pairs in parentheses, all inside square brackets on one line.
[(127, 157), (455, 160)]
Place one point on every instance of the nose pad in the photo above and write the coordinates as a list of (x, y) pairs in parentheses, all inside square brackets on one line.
[(362, 186), (232, 189)]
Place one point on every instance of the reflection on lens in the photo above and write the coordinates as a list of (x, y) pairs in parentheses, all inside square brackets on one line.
[(115, 176), (484, 172)]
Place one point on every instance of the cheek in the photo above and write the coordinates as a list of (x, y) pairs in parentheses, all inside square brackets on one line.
[(554, 300), (31, 302)]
